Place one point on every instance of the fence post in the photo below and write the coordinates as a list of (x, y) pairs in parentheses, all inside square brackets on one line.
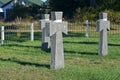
[(87, 25), (2, 36), (32, 32)]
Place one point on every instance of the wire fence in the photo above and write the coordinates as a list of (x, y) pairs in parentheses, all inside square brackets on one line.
[(80, 27), (13, 35)]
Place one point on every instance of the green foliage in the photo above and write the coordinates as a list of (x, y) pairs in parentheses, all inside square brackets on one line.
[(113, 16), (85, 14), (24, 12), (19, 12), (67, 6), (90, 7)]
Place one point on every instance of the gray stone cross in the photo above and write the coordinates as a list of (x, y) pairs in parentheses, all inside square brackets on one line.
[(45, 38), (55, 29), (101, 26)]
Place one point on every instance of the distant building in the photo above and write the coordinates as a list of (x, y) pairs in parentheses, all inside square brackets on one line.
[(8, 4)]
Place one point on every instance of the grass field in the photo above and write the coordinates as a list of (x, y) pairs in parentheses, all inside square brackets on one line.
[(25, 60)]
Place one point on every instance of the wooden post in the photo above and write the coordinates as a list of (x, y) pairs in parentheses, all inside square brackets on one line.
[(2, 36), (32, 32), (86, 28)]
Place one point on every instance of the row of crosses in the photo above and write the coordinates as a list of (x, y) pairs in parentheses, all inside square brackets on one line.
[(52, 36)]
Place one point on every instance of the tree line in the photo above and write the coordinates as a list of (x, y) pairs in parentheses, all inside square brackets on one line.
[(72, 8)]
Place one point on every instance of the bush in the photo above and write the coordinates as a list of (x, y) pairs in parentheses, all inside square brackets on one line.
[(23, 12), (113, 16), (85, 14), (92, 14)]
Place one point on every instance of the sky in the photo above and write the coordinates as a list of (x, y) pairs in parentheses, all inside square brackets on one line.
[(44, 0)]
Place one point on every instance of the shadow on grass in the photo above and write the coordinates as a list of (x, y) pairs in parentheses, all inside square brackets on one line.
[(46, 50), (88, 53), (109, 44), (27, 46), (82, 53), (81, 42), (18, 45), (114, 44), (75, 34), (25, 63)]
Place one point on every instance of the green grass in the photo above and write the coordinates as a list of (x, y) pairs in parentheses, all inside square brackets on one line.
[(25, 60)]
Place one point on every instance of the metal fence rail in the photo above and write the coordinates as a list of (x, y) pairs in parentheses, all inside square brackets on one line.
[(23, 34)]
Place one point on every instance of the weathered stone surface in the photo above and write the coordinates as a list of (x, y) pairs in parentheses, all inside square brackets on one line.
[(45, 39), (101, 26), (56, 16), (103, 16), (54, 27), (55, 30)]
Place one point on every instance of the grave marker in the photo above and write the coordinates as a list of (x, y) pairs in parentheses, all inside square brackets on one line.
[(45, 39), (101, 26), (55, 29)]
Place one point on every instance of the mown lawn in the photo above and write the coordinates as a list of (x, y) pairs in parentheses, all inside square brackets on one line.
[(25, 60)]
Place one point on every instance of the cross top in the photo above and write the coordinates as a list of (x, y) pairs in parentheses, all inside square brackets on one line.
[(103, 16), (102, 23), (57, 24), (42, 22), (56, 16), (45, 16)]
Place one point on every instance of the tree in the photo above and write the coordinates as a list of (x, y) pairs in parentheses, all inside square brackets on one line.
[(30, 11), (69, 6)]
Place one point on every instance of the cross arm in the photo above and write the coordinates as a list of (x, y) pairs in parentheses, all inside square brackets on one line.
[(42, 23), (100, 25), (53, 27)]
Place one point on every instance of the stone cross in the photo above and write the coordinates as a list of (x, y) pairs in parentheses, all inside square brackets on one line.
[(55, 29), (45, 38), (101, 26)]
